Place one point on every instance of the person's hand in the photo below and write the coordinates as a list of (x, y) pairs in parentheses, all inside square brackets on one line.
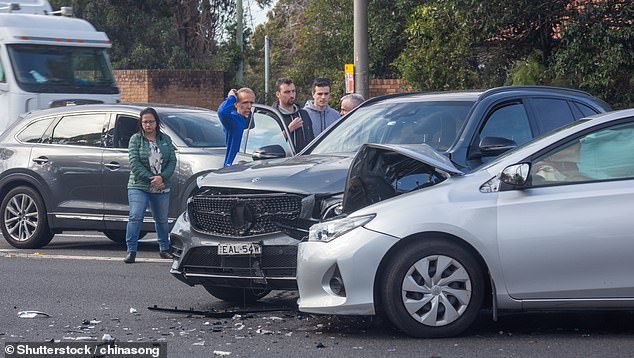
[(295, 124), (233, 92), (157, 182)]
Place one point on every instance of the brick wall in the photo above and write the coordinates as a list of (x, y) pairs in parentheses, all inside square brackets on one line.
[(379, 87), (200, 88)]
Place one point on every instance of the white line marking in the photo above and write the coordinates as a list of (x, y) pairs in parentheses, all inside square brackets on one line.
[(41, 255)]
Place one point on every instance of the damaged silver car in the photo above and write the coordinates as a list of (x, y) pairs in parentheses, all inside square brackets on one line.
[(239, 235), (547, 226)]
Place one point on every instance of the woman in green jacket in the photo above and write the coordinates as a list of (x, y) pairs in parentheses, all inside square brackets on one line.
[(152, 163)]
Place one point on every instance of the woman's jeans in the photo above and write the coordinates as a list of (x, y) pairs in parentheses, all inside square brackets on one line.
[(138, 201)]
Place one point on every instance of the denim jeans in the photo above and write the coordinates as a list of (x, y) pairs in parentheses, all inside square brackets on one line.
[(138, 201)]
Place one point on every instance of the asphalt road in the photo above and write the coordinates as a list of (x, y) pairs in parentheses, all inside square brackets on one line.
[(80, 281)]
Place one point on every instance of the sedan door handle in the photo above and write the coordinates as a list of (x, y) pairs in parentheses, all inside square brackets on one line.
[(40, 160), (113, 165)]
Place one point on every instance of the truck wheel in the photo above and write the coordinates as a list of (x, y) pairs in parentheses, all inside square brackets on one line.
[(24, 223), (237, 295)]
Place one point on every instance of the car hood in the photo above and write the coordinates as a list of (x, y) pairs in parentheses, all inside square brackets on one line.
[(305, 174), (382, 171)]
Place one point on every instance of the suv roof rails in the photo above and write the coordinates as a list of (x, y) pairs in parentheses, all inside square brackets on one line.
[(495, 90)]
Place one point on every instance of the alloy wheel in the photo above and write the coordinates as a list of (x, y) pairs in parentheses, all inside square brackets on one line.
[(21, 217)]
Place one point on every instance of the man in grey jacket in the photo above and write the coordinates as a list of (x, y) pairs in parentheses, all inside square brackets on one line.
[(321, 114)]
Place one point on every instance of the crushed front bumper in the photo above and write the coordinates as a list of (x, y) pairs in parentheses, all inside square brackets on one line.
[(337, 277), (197, 261)]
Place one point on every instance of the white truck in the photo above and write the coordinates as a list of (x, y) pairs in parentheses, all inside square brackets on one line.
[(50, 61)]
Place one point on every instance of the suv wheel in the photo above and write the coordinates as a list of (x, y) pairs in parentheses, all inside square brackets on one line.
[(237, 295), (24, 223), (433, 288)]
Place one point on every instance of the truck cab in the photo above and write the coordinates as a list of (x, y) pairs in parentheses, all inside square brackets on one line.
[(50, 61)]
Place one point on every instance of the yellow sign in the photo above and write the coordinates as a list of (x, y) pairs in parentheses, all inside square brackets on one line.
[(348, 68)]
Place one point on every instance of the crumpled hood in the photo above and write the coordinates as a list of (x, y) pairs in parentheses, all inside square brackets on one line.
[(383, 171), (300, 174)]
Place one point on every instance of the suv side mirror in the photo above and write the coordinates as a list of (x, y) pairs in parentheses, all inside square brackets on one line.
[(494, 146), (273, 151)]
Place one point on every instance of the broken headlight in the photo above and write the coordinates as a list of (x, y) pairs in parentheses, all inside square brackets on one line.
[(330, 230)]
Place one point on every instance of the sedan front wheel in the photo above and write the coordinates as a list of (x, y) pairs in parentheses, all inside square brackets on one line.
[(433, 288), (24, 223)]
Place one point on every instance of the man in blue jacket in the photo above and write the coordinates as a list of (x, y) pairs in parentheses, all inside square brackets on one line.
[(234, 113)]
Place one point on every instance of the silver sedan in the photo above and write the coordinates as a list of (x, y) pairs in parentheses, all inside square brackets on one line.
[(546, 226)]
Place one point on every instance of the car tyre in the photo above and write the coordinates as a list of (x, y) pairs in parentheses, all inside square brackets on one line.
[(237, 295), (24, 222), (118, 236), (422, 301)]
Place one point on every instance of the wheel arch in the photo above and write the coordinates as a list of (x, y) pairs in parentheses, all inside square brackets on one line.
[(16, 179), (489, 301)]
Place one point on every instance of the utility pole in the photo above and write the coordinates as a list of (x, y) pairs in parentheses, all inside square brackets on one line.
[(266, 69), (240, 42), (361, 68)]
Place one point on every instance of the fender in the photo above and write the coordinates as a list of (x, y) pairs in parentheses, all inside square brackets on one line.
[(15, 177)]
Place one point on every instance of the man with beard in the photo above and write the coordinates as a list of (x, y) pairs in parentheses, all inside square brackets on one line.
[(295, 118)]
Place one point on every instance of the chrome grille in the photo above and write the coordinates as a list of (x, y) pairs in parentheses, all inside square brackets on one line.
[(244, 214)]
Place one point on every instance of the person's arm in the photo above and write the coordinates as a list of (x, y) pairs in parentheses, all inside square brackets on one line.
[(168, 169), (134, 157), (226, 108)]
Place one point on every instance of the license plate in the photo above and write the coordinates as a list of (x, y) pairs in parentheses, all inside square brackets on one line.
[(239, 249)]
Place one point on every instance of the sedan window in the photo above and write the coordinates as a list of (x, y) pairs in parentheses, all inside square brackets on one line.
[(602, 155), (2, 76)]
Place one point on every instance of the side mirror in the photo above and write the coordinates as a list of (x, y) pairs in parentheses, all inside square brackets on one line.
[(273, 151), (515, 175), (494, 146)]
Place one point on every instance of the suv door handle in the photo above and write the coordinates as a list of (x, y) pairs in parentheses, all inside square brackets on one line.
[(112, 165), (40, 160)]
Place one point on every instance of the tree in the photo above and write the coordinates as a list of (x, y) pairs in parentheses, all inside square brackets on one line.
[(314, 38), (597, 51), (158, 33), (439, 54)]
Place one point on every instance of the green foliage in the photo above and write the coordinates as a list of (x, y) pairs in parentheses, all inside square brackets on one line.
[(438, 55), (142, 33), (314, 38), (597, 52), (527, 72)]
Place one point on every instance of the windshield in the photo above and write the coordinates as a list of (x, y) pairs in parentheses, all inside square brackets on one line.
[(435, 123), (196, 129), (46, 69)]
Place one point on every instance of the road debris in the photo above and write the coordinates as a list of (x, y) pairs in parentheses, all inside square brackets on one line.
[(33, 314)]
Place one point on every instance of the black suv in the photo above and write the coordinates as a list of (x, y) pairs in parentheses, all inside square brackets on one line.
[(238, 237)]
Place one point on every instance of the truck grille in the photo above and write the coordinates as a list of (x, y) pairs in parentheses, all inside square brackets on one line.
[(245, 214)]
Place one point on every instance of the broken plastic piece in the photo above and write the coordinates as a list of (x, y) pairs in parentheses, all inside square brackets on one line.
[(221, 353), (32, 314)]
